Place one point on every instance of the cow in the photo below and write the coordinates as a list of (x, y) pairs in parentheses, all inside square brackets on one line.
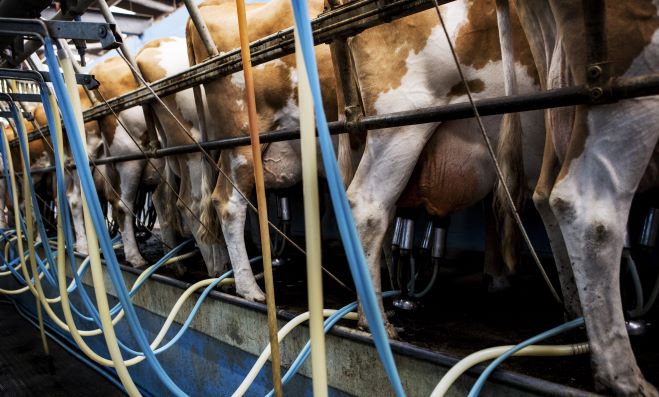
[(407, 65), (41, 156), (596, 158), (158, 59), (116, 78), (276, 97)]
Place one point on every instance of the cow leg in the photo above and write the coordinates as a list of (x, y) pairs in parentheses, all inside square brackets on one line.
[(379, 180), (163, 197), (494, 268), (3, 204), (129, 174), (546, 180), (74, 195), (232, 209), (591, 201)]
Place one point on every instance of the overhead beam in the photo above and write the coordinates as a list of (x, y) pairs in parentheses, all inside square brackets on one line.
[(154, 5), (133, 25)]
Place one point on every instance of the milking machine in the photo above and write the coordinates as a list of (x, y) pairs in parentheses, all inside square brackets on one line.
[(409, 264)]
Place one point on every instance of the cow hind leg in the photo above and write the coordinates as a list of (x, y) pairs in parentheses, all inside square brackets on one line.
[(130, 174), (591, 201), (232, 209), (495, 271), (594, 239), (378, 182), (75, 202)]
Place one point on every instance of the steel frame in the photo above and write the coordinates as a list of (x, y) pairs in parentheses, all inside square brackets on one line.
[(350, 19)]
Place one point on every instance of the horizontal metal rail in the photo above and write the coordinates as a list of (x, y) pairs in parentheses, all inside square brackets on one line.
[(346, 20), (620, 89)]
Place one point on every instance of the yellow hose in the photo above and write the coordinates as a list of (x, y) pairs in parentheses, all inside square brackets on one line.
[(488, 354), (311, 225), (285, 330)]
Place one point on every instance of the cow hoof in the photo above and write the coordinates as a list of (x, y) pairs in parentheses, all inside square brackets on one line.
[(362, 324), (648, 389), (252, 294), (82, 249), (498, 284), (137, 262), (178, 269)]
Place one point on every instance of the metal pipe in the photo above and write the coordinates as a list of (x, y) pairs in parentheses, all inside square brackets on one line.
[(201, 27), (623, 88)]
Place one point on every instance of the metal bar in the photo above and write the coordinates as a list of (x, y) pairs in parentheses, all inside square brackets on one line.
[(20, 97), (88, 80), (346, 20), (623, 88), (92, 31), (149, 115), (27, 115), (109, 18), (129, 24), (201, 27)]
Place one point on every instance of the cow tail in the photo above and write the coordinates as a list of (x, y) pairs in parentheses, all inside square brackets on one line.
[(344, 158), (509, 150), (209, 226), (209, 217)]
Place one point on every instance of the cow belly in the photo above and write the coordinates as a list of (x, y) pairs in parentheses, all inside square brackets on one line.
[(453, 172)]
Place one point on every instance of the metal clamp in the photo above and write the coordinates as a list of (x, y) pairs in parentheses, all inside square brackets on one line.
[(87, 80), (7, 115), (37, 29)]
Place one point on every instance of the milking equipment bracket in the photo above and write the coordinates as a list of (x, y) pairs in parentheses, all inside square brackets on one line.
[(18, 29), (87, 80)]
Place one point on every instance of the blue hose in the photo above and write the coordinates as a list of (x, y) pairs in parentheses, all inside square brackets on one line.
[(349, 236), (80, 157), (475, 390)]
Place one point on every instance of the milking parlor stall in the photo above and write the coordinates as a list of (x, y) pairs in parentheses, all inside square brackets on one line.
[(326, 197)]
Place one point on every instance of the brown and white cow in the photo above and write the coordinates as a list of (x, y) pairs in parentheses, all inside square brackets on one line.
[(406, 65), (276, 97), (158, 59), (41, 156), (595, 160), (115, 78)]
